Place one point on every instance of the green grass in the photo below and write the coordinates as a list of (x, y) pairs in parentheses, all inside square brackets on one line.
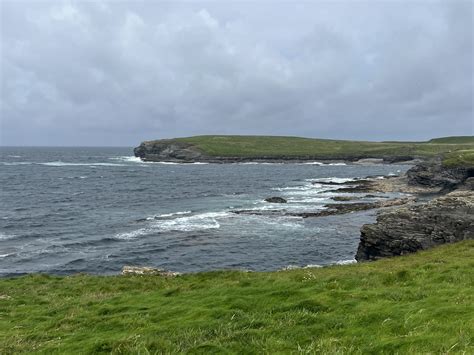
[(454, 140), (422, 303), (464, 158), (276, 146)]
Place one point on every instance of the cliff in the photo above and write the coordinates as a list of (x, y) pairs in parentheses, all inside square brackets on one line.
[(445, 219)]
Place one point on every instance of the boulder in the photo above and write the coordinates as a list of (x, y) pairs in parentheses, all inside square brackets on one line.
[(275, 199), (446, 219)]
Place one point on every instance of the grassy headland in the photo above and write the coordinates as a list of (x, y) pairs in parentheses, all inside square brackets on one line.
[(459, 158), (276, 146), (421, 303)]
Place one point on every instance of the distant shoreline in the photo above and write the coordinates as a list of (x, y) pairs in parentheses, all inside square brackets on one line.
[(275, 149)]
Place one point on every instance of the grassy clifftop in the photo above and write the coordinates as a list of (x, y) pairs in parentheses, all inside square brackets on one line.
[(276, 146), (422, 303), (460, 158)]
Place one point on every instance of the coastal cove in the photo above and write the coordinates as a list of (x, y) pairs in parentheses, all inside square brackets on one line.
[(94, 210)]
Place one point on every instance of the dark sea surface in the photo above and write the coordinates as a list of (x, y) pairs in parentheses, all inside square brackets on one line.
[(94, 210)]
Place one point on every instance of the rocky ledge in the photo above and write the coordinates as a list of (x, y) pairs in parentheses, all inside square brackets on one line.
[(446, 219), (433, 174)]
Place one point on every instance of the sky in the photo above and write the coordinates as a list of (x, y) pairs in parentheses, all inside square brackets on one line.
[(115, 73)]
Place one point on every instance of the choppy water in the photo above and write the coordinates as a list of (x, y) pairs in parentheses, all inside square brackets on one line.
[(67, 210)]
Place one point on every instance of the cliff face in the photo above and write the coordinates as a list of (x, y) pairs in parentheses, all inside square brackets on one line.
[(431, 174), (167, 150), (446, 219)]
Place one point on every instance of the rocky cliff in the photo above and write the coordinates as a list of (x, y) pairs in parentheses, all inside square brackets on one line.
[(446, 219), (168, 150), (435, 174)]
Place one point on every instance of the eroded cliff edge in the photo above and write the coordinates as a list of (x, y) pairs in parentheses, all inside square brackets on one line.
[(445, 219)]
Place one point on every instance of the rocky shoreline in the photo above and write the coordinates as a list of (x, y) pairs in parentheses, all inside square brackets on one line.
[(448, 216), (437, 206)]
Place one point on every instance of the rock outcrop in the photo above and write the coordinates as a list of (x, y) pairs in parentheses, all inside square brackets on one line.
[(168, 150), (434, 174), (446, 219), (275, 199)]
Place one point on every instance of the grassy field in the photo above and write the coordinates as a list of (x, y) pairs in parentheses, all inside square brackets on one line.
[(275, 146), (463, 158), (422, 303), (454, 140)]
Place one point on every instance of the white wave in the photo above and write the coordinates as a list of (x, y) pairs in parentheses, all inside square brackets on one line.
[(311, 266), (259, 163), (128, 159), (337, 164), (313, 163), (309, 200), (346, 262), (198, 222), (165, 215), (4, 236), (202, 221), (60, 163), (14, 156), (5, 255), (293, 188), (16, 163), (175, 163), (333, 179), (132, 234)]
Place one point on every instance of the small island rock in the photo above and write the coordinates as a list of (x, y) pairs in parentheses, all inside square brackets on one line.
[(275, 199)]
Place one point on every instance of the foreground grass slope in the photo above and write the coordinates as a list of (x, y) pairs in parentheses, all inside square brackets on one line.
[(422, 303), (257, 146)]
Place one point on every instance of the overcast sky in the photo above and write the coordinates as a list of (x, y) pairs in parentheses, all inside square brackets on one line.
[(117, 73)]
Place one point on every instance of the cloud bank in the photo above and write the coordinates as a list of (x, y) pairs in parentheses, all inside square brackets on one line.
[(117, 73)]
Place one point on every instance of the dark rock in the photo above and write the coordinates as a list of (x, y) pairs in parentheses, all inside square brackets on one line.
[(446, 219), (345, 198), (331, 209), (434, 174), (275, 199), (165, 150)]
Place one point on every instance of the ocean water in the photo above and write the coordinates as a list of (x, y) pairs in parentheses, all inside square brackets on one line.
[(94, 210)]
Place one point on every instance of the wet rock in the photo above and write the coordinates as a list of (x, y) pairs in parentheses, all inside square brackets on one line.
[(446, 219), (275, 199), (345, 198), (331, 209), (145, 270)]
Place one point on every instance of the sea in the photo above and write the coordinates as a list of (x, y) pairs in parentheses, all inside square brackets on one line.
[(95, 210)]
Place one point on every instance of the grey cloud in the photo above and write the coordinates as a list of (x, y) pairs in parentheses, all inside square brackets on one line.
[(116, 73)]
